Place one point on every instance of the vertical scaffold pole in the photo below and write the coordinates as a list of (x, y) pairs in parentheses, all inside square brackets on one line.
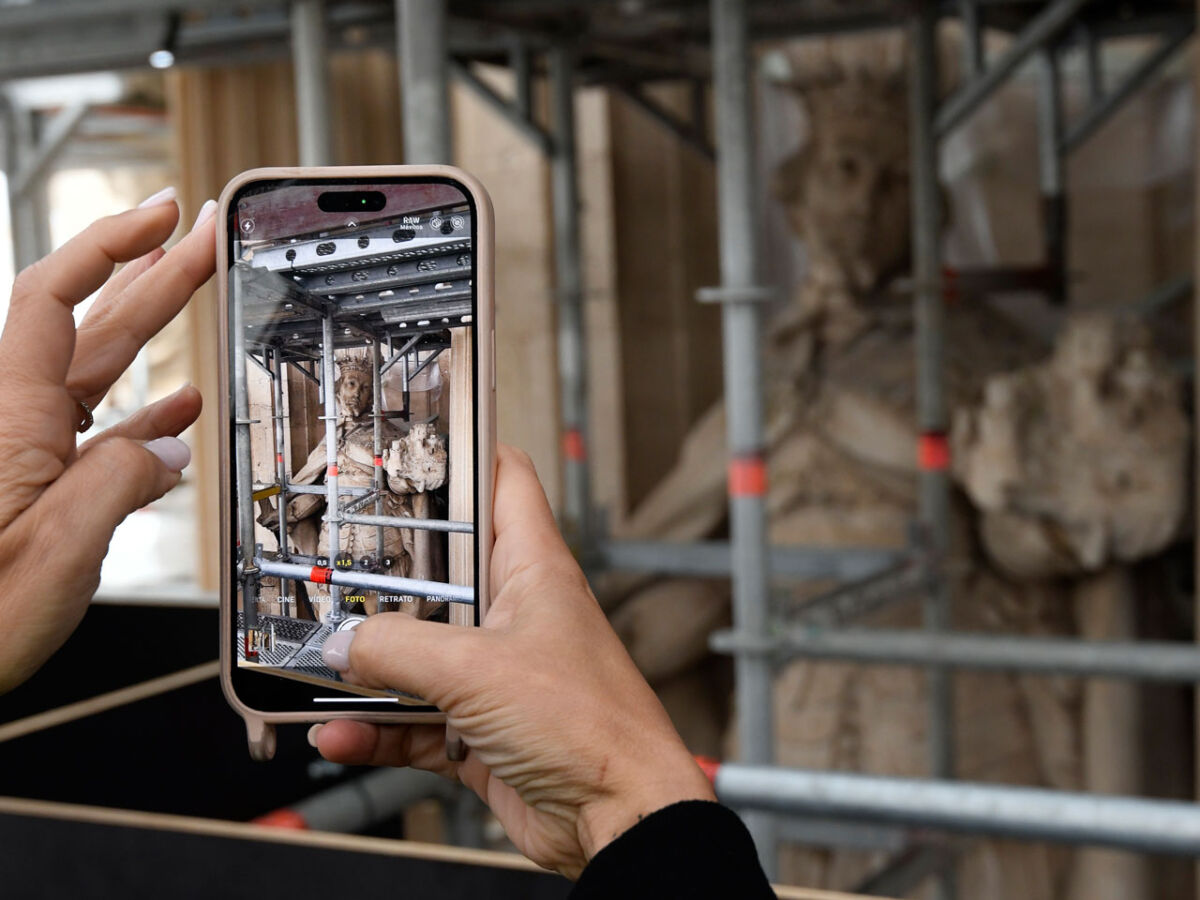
[(279, 374), (333, 514), (312, 82), (934, 505), (377, 444), (424, 87), (243, 468), (1051, 168), (572, 337), (737, 191)]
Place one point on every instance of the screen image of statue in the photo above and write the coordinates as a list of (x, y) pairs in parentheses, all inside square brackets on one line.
[(352, 340)]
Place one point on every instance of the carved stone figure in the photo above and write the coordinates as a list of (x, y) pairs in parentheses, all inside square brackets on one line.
[(415, 462), (841, 449)]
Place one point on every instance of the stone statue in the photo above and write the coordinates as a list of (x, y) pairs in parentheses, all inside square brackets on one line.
[(415, 462), (1074, 465)]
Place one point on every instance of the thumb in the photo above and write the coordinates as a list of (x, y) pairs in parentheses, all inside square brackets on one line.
[(433, 660), (110, 480)]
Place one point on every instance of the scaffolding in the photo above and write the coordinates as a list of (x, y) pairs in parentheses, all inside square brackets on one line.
[(573, 43), (298, 303)]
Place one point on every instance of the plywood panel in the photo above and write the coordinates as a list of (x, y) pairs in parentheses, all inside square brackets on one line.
[(665, 233), (517, 177)]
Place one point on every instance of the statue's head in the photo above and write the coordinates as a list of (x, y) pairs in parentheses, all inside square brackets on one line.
[(353, 385), (846, 190)]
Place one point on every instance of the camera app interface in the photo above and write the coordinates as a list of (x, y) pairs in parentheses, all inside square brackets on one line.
[(352, 346)]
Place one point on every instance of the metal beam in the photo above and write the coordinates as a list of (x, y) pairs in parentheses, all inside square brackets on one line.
[(714, 559), (688, 132), (63, 14), (1100, 112), (509, 109), (738, 221), (336, 579), (1048, 23), (1127, 823), (58, 133), (572, 327), (312, 82), (423, 80), (1142, 660)]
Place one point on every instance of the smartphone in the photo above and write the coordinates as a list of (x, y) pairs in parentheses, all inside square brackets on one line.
[(358, 409)]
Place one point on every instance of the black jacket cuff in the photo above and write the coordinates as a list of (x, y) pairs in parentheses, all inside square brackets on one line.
[(695, 848)]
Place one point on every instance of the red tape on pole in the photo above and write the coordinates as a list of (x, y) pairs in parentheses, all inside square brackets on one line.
[(950, 286), (747, 477), (379, 460), (282, 818), (278, 457), (320, 575), (709, 766), (933, 452), (332, 471), (574, 447)]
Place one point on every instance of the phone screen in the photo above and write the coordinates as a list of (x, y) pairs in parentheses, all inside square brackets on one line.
[(353, 427)]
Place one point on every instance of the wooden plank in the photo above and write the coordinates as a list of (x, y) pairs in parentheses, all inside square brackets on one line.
[(111, 700)]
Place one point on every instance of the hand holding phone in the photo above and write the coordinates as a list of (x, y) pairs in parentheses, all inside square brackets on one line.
[(569, 746), (356, 308)]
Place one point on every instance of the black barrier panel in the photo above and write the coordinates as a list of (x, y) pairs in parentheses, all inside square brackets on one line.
[(181, 752), (54, 858)]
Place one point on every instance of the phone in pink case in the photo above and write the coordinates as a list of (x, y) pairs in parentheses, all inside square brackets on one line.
[(358, 404)]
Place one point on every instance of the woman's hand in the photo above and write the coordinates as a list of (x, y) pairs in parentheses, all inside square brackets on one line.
[(59, 503), (568, 744)]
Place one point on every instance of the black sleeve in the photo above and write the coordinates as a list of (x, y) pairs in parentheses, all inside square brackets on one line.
[(692, 849)]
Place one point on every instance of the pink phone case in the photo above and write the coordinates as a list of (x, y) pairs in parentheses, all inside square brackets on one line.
[(260, 726)]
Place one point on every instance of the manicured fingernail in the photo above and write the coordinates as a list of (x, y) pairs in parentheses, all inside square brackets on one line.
[(163, 197), (312, 735), (172, 451), (336, 650), (207, 211)]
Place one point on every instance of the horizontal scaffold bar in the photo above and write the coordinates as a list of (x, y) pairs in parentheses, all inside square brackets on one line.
[(390, 584), (1129, 823), (408, 522), (713, 559), (1144, 660)]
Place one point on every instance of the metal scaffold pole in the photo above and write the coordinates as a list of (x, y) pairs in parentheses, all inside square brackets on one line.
[(740, 293), (243, 467), (312, 82), (934, 503), (424, 71), (1051, 168), (572, 342), (278, 417), (333, 519)]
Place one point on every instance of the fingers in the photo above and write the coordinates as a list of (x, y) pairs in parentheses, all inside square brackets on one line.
[(525, 530), (124, 277), (96, 492), (166, 417), (433, 660), (39, 336), (362, 744), (110, 337)]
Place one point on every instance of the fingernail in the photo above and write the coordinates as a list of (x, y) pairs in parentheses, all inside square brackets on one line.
[(312, 735), (163, 197), (207, 211), (174, 453), (336, 650)]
